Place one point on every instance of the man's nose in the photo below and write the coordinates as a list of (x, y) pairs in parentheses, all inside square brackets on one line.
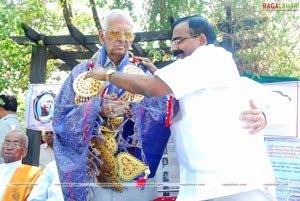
[(122, 37), (173, 48)]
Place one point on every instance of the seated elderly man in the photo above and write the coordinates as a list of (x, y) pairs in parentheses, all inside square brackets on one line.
[(8, 117), (17, 179)]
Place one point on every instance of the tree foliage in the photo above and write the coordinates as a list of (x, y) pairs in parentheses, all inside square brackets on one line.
[(269, 47)]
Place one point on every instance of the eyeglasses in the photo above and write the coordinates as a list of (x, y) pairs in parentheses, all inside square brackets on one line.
[(116, 34), (13, 144), (177, 41)]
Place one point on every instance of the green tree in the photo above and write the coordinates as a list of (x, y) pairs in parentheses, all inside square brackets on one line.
[(270, 47)]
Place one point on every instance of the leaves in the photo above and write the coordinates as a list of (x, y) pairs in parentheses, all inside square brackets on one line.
[(270, 46)]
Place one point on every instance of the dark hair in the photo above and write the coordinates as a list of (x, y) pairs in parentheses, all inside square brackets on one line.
[(10, 102), (199, 25)]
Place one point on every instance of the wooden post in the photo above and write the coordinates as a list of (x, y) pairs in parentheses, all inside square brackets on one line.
[(37, 75)]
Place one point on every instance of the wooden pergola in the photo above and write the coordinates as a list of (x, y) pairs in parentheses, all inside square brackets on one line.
[(49, 47)]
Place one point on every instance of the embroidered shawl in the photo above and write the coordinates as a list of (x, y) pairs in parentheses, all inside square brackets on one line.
[(75, 125)]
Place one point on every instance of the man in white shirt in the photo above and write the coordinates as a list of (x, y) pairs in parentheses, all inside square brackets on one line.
[(46, 149), (218, 159), (17, 179), (48, 186)]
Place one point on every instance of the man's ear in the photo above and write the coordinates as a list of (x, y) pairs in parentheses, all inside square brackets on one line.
[(101, 36), (24, 152), (203, 39)]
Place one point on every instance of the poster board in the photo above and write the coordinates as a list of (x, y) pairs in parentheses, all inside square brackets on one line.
[(289, 91), (284, 148), (167, 174), (40, 103)]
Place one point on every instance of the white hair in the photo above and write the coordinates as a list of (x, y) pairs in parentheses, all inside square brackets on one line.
[(116, 13), (23, 135)]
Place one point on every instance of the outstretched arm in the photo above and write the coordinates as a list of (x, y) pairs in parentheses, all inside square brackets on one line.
[(138, 84)]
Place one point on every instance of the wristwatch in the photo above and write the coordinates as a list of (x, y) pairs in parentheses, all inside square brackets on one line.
[(108, 73)]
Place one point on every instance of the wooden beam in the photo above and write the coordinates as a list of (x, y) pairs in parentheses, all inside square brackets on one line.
[(60, 55), (93, 39), (138, 50), (65, 67), (32, 34), (75, 33), (153, 36), (71, 55), (95, 14)]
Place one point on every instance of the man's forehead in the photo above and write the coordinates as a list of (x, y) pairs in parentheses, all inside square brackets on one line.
[(13, 137), (181, 30), (119, 22)]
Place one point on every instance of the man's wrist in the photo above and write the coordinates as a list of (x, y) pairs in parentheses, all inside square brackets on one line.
[(108, 73)]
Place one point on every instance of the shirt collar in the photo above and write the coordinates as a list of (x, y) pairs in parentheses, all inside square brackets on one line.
[(109, 63), (13, 164)]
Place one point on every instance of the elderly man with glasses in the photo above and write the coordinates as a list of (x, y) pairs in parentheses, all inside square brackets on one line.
[(8, 117), (17, 179), (108, 141)]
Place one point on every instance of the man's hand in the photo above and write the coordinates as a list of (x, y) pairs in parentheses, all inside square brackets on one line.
[(147, 63), (106, 106), (112, 107), (97, 72), (256, 116)]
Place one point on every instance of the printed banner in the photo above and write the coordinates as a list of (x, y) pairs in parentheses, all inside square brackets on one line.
[(167, 174), (284, 146), (40, 103)]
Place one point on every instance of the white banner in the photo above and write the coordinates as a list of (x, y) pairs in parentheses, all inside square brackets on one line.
[(40, 103), (289, 90)]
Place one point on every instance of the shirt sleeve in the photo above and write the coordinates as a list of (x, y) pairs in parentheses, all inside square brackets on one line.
[(207, 67), (40, 191)]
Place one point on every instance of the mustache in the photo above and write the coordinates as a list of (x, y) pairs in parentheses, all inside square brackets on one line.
[(177, 53)]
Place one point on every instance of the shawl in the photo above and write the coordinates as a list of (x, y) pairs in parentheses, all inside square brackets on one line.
[(22, 182), (75, 125)]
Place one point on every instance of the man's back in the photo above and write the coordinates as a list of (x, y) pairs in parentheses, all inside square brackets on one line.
[(219, 156)]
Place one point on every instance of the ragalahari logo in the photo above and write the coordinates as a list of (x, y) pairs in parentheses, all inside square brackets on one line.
[(281, 6)]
